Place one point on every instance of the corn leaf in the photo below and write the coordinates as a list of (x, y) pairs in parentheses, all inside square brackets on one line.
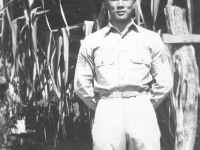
[(60, 111), (59, 48), (154, 11), (34, 44), (65, 51), (14, 29), (45, 15), (20, 84), (1, 5), (49, 113), (55, 57), (49, 49), (76, 26), (139, 13), (5, 6), (62, 108), (33, 39), (88, 27), (4, 37), (26, 13), (34, 74), (52, 63), (63, 14), (35, 14), (46, 92), (59, 79), (1, 20), (190, 15), (63, 124), (15, 44), (30, 2), (65, 34), (43, 83), (49, 69)]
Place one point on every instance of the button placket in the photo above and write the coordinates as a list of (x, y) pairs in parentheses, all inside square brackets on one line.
[(120, 54)]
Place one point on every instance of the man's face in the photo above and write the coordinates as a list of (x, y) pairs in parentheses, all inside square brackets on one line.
[(120, 10)]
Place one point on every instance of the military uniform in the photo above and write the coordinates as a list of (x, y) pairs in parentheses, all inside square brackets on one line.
[(113, 75)]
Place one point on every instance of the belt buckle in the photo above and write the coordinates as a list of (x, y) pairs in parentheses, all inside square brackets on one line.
[(125, 94), (113, 95), (122, 94), (117, 95)]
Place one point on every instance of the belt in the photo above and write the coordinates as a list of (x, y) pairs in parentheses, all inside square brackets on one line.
[(126, 94)]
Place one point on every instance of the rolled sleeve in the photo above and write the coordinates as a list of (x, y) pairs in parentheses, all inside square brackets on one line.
[(161, 72), (83, 81)]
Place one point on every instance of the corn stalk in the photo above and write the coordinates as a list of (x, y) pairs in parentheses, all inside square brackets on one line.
[(40, 69), (154, 11), (138, 13)]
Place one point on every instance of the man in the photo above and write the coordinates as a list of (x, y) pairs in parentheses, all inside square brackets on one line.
[(114, 68)]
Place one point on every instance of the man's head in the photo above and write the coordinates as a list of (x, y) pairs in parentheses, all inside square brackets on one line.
[(120, 10)]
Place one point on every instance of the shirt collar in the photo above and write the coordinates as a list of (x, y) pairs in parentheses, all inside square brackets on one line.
[(132, 25)]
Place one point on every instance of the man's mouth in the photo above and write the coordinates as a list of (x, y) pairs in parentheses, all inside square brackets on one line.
[(120, 12)]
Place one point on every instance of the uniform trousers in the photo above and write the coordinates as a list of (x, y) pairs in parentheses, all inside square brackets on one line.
[(125, 124)]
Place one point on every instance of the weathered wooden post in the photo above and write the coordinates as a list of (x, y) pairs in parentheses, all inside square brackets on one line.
[(186, 77)]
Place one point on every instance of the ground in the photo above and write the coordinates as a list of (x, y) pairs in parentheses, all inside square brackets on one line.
[(81, 143)]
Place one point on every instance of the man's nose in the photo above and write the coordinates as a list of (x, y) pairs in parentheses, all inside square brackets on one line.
[(120, 4)]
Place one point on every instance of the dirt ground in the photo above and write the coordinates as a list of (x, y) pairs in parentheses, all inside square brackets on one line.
[(74, 144), (81, 142)]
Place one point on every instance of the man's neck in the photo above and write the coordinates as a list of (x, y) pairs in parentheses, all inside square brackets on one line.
[(121, 26)]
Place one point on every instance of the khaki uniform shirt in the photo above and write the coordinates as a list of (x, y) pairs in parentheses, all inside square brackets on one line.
[(110, 61)]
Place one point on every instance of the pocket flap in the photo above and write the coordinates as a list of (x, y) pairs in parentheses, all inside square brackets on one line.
[(103, 61), (141, 59)]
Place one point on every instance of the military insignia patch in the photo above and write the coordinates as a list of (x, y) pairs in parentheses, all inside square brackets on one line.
[(164, 56), (81, 61)]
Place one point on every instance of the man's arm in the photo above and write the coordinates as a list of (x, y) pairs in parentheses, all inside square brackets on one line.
[(161, 72), (84, 75)]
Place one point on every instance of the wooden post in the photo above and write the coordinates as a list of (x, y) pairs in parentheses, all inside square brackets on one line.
[(186, 80)]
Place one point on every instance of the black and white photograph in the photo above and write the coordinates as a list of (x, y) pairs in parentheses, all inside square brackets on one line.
[(99, 75)]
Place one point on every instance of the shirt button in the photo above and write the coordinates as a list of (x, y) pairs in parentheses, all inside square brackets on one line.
[(142, 59), (102, 62)]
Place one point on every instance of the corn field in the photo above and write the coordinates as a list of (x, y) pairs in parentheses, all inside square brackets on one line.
[(35, 65)]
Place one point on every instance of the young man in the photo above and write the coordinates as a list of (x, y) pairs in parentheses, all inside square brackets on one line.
[(114, 68)]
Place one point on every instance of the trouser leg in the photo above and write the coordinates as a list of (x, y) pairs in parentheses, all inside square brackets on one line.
[(108, 130), (141, 124)]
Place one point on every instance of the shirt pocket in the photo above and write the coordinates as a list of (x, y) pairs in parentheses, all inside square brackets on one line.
[(140, 66), (104, 69), (141, 60)]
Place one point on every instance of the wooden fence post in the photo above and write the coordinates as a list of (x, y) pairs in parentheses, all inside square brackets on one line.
[(186, 80)]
